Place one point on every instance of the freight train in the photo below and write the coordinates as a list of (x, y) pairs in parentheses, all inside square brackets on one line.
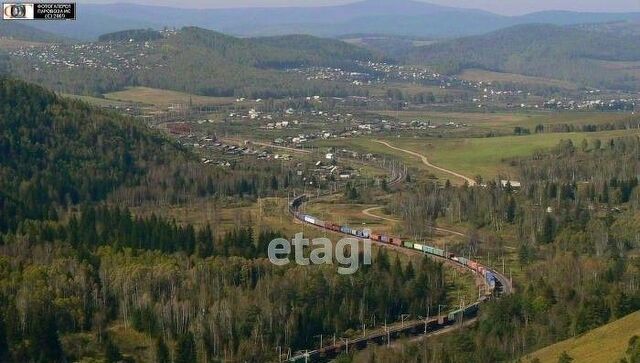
[(489, 276), (494, 281)]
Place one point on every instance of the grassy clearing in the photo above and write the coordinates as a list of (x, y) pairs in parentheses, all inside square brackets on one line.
[(11, 43), (479, 75), (506, 121), (160, 97), (267, 213), (630, 68), (489, 156), (605, 344), (413, 89), (101, 102)]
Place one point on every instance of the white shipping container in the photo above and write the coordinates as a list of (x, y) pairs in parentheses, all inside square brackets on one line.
[(417, 246), (309, 219)]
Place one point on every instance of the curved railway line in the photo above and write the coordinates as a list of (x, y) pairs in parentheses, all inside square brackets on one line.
[(495, 283)]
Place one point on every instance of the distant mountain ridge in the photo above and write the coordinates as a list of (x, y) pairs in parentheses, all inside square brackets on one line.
[(401, 17), (19, 31), (592, 55), (200, 61)]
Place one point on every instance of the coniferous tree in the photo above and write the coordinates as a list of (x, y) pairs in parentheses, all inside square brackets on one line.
[(162, 352), (186, 349)]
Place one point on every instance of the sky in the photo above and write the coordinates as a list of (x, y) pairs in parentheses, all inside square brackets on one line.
[(505, 7)]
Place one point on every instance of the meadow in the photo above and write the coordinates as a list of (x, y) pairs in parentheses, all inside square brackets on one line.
[(482, 122), (487, 157), (164, 98), (480, 75), (605, 344)]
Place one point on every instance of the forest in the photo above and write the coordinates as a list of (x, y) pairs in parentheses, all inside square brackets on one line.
[(208, 63), (577, 223), (75, 267), (560, 52)]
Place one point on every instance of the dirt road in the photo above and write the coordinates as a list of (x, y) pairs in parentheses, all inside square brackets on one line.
[(426, 162)]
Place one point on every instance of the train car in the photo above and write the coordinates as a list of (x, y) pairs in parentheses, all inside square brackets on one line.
[(491, 279), (418, 246), (463, 261), (375, 237), (384, 238), (456, 314), (297, 201), (427, 249), (354, 232), (471, 310), (438, 252), (332, 226), (396, 241), (365, 233), (481, 270), (408, 244), (473, 265), (320, 223), (443, 320), (309, 219)]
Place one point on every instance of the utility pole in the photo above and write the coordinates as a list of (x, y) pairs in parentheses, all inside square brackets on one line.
[(388, 337), (346, 340), (439, 307), (402, 319)]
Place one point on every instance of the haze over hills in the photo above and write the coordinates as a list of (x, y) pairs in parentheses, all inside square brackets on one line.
[(404, 17), (596, 55), (19, 31), (200, 61)]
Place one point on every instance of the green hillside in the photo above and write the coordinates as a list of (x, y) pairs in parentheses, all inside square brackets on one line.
[(55, 153), (194, 60), (605, 344), (18, 31), (584, 55)]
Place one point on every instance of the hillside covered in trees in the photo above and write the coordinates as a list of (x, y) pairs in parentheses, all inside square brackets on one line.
[(19, 31), (193, 60), (81, 275), (583, 54), (576, 224)]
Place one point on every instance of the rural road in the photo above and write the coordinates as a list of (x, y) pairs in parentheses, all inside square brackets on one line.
[(369, 212), (426, 162)]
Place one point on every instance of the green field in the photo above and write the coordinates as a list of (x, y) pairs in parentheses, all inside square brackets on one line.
[(160, 97), (478, 75), (96, 101), (482, 122), (488, 157), (605, 344)]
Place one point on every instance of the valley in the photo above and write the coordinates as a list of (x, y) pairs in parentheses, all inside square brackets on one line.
[(149, 164)]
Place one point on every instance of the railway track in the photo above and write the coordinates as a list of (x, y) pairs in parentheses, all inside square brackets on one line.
[(425, 326)]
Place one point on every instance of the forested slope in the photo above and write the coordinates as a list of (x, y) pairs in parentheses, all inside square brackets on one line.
[(572, 53), (19, 31), (55, 153), (84, 279), (193, 60)]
